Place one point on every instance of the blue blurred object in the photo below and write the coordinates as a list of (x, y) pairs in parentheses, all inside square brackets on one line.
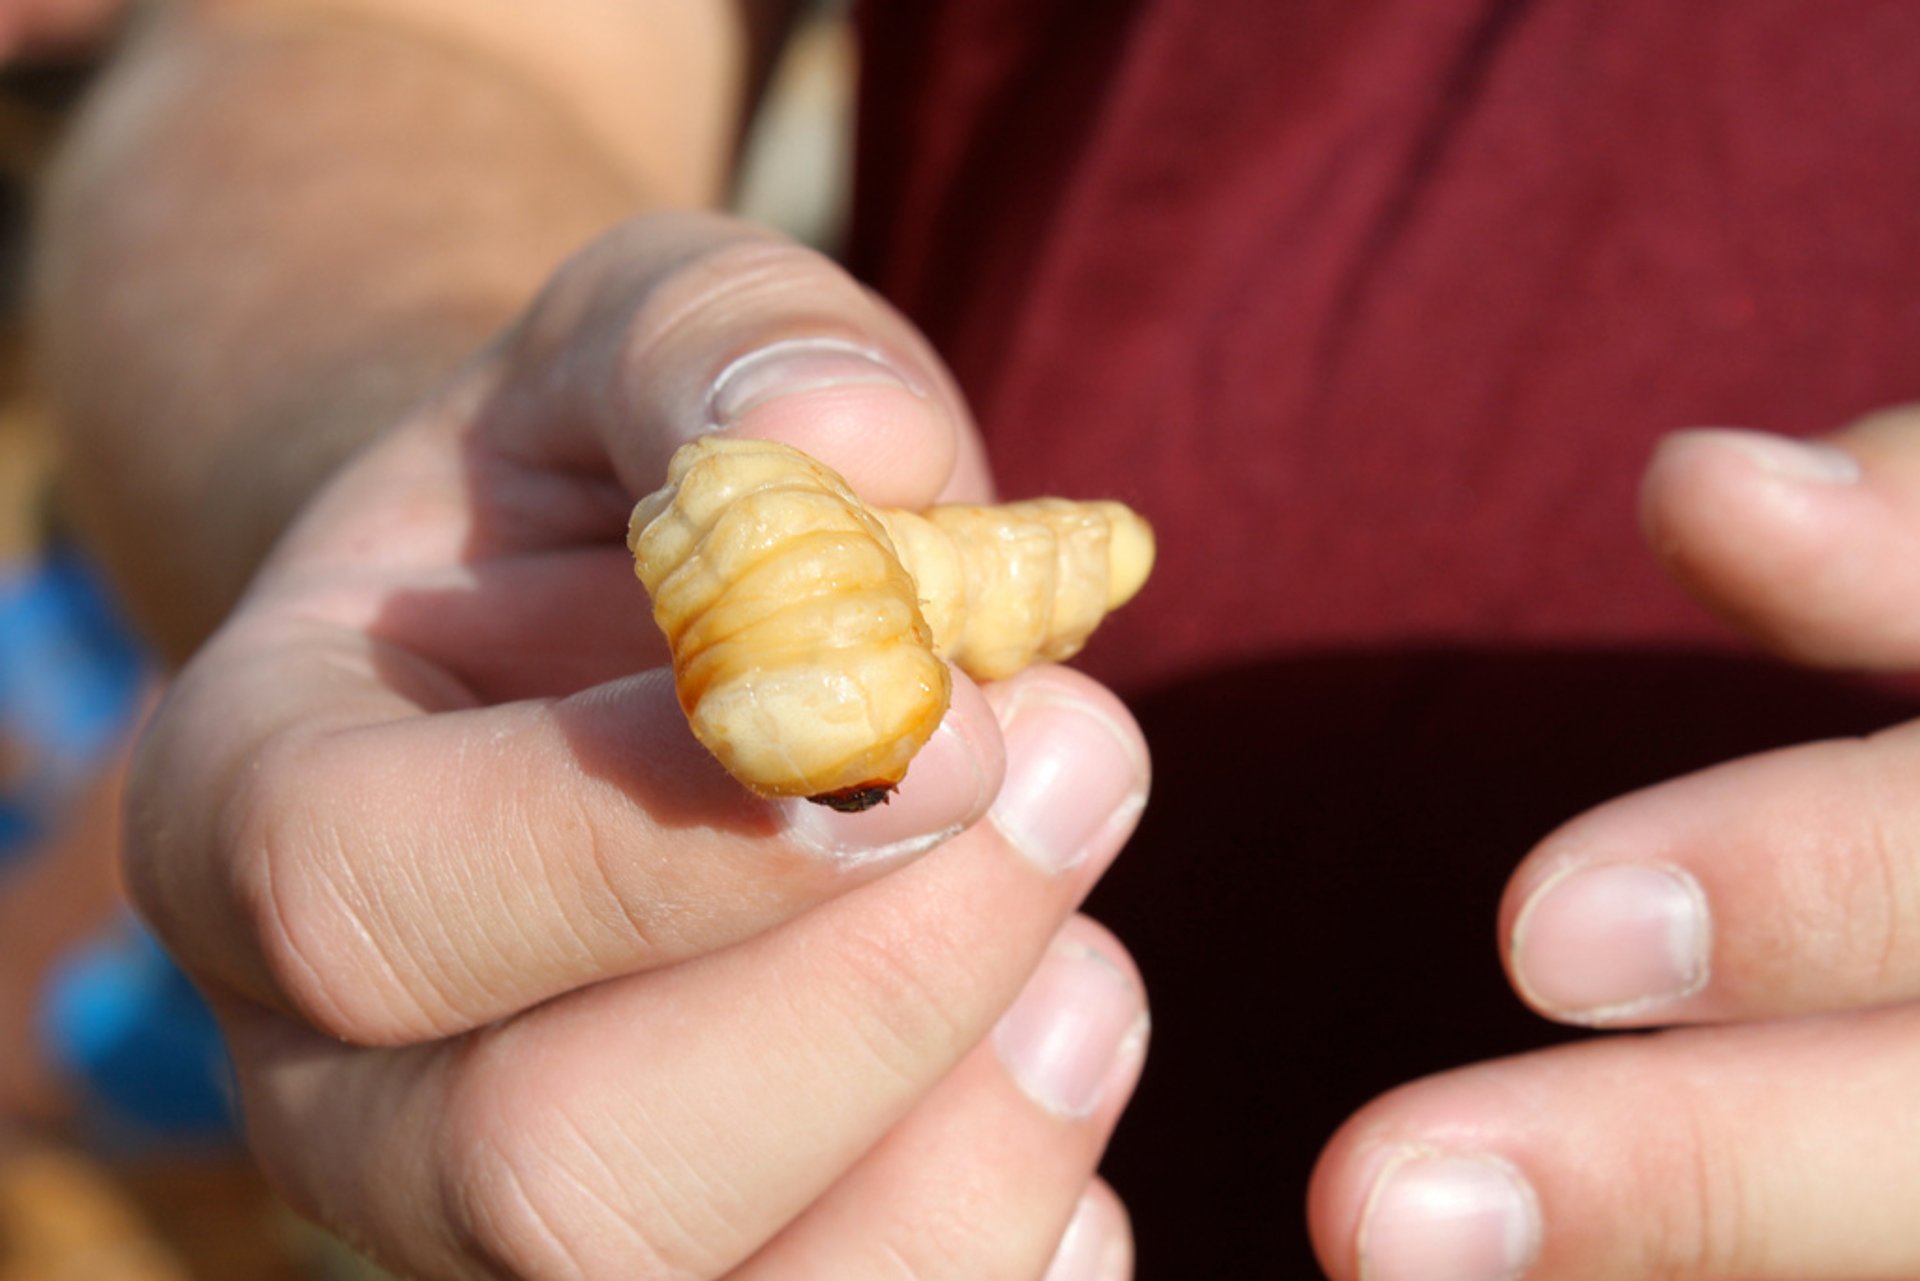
[(71, 673), (125, 1026), (121, 1019)]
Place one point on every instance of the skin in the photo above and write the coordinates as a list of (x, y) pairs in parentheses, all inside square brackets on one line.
[(1766, 1135), (488, 1023), (518, 985)]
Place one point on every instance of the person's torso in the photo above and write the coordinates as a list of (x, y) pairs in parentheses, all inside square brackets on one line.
[(1376, 307)]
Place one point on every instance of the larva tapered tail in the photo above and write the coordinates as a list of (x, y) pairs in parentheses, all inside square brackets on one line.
[(1020, 583), (807, 630)]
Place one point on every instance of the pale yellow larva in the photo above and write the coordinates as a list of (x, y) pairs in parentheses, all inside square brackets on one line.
[(808, 630)]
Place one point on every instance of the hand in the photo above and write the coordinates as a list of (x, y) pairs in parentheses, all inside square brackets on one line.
[(1772, 903), (516, 980)]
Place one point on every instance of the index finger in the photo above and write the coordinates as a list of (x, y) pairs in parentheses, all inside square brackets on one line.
[(307, 834)]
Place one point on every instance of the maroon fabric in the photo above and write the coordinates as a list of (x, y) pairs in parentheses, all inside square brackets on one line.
[(1376, 307)]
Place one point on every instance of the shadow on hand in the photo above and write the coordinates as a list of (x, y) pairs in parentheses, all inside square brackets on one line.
[(613, 704), (1313, 889)]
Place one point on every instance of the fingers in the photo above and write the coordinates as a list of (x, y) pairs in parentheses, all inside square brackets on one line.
[(1813, 547), (1781, 1151), (479, 517), (496, 857), (1010, 1139), (1098, 1242), (672, 1124), (493, 857), (1783, 884), (670, 327), (1779, 885)]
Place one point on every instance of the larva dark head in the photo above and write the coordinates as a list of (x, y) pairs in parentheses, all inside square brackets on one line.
[(852, 800)]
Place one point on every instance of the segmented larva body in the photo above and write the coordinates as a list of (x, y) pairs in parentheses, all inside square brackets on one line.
[(808, 630)]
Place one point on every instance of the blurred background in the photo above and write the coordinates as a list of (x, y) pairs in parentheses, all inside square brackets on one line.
[(118, 1161)]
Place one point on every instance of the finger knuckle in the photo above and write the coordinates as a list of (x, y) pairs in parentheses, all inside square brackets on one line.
[(944, 1243), (312, 922), (1852, 890), (1878, 895), (1884, 891), (906, 1001), (765, 285), (1710, 1229), (752, 269), (533, 1190)]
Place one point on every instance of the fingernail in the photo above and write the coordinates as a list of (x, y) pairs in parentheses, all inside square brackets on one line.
[(1603, 942), (1093, 1248), (1797, 460), (1436, 1216), (1073, 781), (944, 790), (798, 365), (1076, 1030)]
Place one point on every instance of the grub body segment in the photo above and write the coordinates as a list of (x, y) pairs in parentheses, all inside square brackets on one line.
[(808, 630)]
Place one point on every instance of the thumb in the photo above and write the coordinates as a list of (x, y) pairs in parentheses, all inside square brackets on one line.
[(1812, 547), (671, 326)]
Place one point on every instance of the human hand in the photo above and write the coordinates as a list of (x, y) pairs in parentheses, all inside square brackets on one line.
[(516, 979), (1772, 903)]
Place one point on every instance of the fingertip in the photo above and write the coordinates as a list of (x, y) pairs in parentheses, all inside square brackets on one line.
[(1084, 932), (1054, 682), (1611, 941), (880, 412), (1407, 1192), (1075, 1039), (1077, 772), (1705, 487), (971, 721), (1801, 544), (1789, 458), (672, 326), (893, 444), (948, 787), (1098, 1242), (1337, 1194)]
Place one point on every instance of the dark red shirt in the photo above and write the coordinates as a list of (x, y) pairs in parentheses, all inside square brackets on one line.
[(1375, 308)]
